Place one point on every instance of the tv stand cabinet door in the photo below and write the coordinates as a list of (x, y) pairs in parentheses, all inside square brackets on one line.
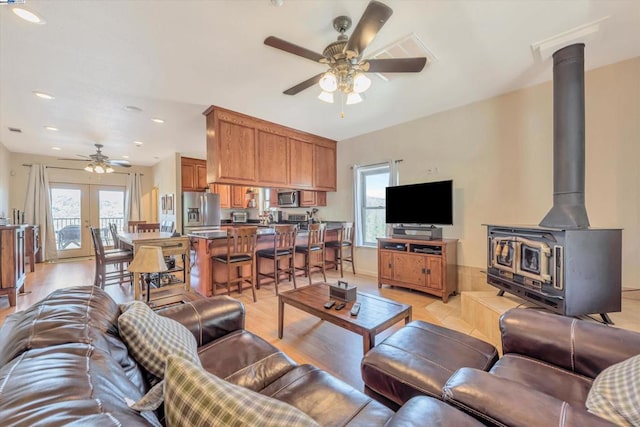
[(409, 268), (385, 266), (434, 279)]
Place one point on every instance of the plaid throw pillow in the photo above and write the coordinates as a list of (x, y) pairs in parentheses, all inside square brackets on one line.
[(615, 393), (151, 338), (195, 397)]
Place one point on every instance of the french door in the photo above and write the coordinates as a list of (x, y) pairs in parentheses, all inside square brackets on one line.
[(76, 207)]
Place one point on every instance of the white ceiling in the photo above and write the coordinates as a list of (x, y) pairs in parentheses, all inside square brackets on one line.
[(173, 59)]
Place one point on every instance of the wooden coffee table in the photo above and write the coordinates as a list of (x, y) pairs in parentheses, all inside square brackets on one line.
[(376, 313)]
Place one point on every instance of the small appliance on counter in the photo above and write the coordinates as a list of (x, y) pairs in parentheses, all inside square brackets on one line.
[(239, 217)]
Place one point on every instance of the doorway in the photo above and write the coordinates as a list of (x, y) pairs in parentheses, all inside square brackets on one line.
[(76, 207)]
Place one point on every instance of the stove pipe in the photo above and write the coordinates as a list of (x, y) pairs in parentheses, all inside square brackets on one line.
[(568, 210)]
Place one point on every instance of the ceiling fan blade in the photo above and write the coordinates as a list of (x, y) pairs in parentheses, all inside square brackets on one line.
[(123, 163), (76, 160), (373, 18), (304, 85), (292, 48), (395, 65)]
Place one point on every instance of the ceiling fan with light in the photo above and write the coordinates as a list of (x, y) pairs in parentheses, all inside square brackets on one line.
[(347, 67), (99, 163)]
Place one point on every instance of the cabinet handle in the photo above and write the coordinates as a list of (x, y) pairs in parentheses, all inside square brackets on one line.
[(428, 271), (390, 265), (424, 271)]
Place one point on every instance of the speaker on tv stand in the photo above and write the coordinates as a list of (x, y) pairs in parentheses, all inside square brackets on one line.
[(417, 232)]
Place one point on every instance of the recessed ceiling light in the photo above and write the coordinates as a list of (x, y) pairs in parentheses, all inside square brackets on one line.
[(138, 143), (43, 95), (52, 128), (156, 120), (133, 108), (125, 157), (56, 148), (27, 15)]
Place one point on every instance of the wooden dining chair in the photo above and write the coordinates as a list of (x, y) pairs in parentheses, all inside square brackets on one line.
[(281, 254), (132, 226), (241, 252), (110, 264), (148, 227), (342, 248), (313, 251)]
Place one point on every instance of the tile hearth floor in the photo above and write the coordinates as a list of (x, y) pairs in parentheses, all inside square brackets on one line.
[(306, 338)]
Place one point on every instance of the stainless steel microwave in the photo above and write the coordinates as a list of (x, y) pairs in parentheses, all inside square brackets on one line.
[(288, 199)]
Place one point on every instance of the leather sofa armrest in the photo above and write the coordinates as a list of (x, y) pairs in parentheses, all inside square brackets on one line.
[(582, 346), (208, 319), (500, 401), (424, 410)]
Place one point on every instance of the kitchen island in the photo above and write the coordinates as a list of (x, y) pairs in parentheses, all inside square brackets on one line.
[(210, 243)]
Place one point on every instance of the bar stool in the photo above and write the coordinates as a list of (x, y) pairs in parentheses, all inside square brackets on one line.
[(284, 241), (313, 251), (343, 247), (241, 252), (104, 259)]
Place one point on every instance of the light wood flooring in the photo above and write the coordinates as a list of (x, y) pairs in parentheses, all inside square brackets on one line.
[(306, 338)]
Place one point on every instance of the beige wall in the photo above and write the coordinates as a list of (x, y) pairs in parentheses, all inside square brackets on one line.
[(167, 179), (20, 178), (499, 154), (5, 170)]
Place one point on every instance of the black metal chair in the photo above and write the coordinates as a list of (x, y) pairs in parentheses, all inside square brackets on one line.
[(282, 252)]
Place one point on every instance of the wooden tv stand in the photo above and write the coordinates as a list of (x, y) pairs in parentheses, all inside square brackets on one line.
[(425, 265)]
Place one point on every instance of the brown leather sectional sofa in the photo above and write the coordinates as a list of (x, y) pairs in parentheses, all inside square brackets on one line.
[(62, 362)]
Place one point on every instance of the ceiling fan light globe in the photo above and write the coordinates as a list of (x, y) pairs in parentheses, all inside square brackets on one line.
[(109, 169), (328, 82), (353, 98), (361, 83), (326, 97), (99, 169), (89, 167)]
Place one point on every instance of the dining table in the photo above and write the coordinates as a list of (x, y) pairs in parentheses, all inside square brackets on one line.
[(178, 277)]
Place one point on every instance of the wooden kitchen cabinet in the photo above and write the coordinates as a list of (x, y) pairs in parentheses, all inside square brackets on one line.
[(12, 261), (301, 165), (244, 150), (272, 159), (231, 196), (194, 174), (324, 167), (425, 265), (312, 198), (273, 197)]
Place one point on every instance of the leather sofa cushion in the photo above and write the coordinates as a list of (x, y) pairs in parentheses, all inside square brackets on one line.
[(419, 358), (196, 397), (439, 414), (78, 314), (245, 359), (328, 400), (546, 378), (68, 383)]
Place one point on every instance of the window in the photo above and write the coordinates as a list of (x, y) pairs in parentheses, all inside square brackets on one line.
[(370, 184)]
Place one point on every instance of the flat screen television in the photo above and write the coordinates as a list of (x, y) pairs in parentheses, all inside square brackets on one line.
[(428, 203)]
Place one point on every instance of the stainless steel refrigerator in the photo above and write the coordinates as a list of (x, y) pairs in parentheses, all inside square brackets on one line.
[(200, 211)]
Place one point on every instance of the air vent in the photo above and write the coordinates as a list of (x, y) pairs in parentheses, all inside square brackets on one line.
[(407, 47), (16, 130)]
